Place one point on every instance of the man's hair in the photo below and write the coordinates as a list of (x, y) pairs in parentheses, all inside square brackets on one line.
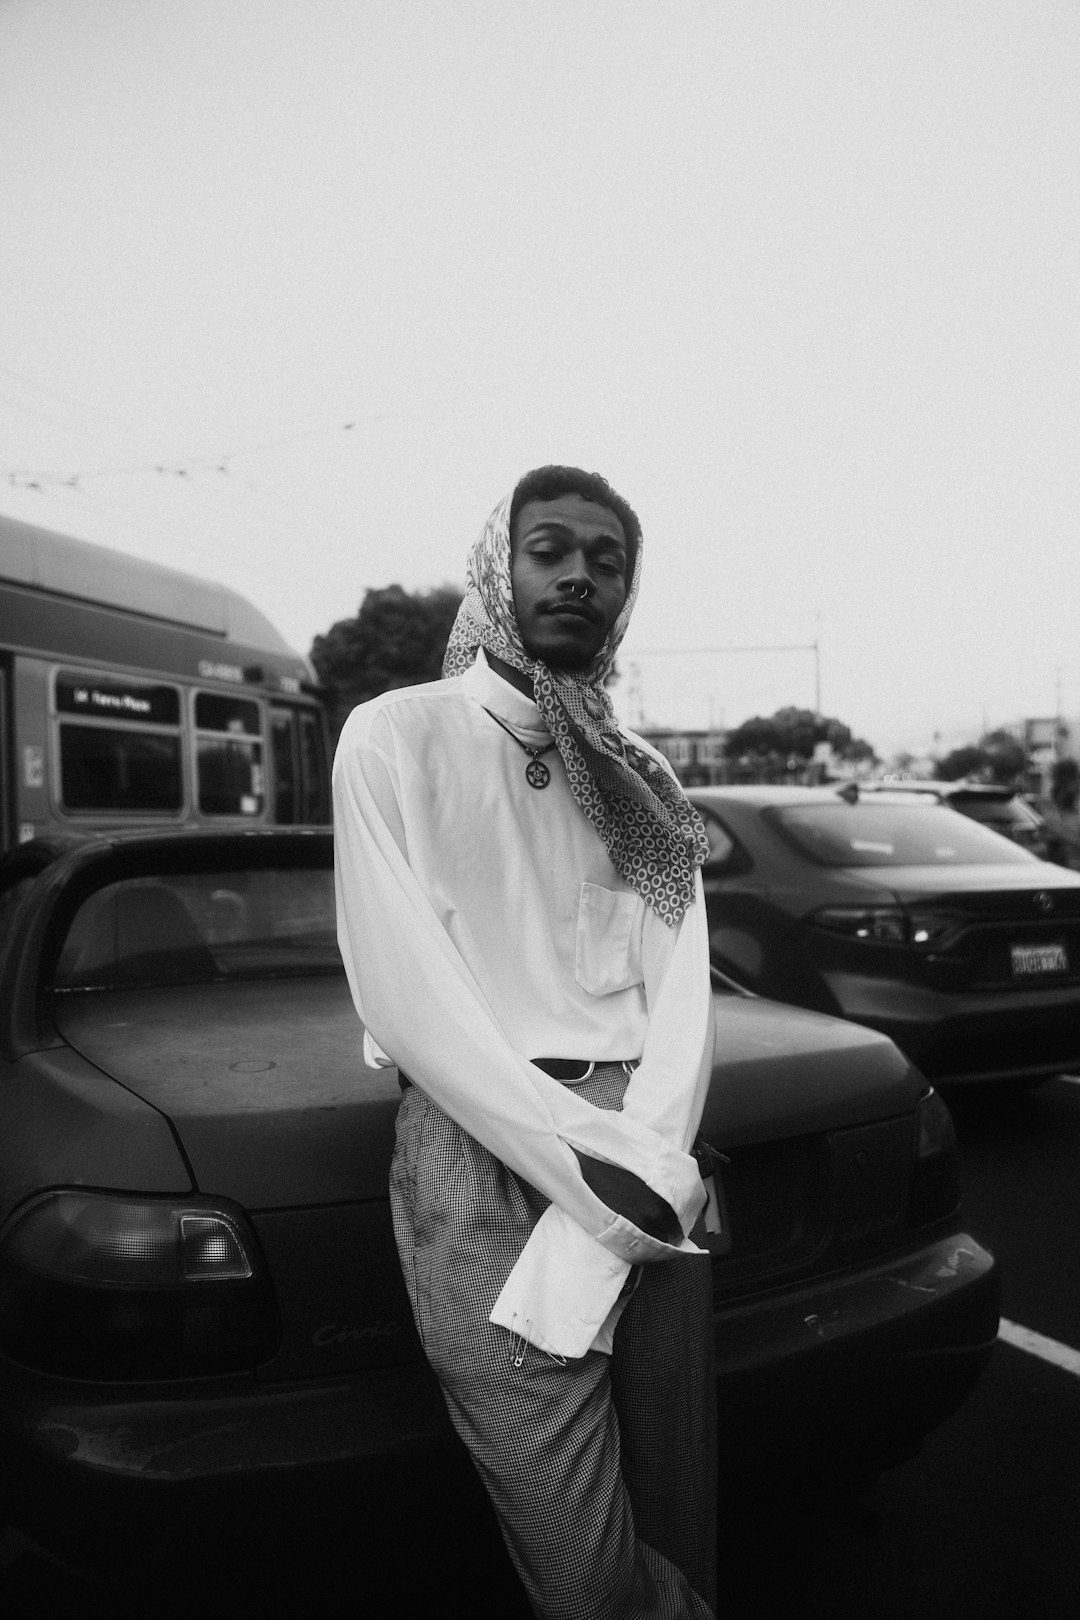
[(546, 483)]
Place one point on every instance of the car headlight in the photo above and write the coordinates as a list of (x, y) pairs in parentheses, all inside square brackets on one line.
[(103, 1285)]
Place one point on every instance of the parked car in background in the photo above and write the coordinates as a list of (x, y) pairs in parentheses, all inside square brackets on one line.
[(892, 910), (1001, 808), (201, 1311)]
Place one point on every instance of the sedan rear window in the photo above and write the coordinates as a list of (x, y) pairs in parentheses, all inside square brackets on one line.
[(995, 812), (185, 928), (893, 835)]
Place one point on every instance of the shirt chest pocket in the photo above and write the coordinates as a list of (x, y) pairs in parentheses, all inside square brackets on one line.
[(608, 940)]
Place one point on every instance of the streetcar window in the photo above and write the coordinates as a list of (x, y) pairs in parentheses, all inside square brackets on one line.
[(213, 712), (282, 739), (286, 785), (229, 761), (106, 768), (300, 793), (230, 777), (315, 802)]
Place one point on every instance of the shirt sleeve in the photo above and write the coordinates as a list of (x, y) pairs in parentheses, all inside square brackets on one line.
[(563, 1291), (422, 1004)]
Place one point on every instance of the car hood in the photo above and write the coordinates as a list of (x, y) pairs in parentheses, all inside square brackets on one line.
[(267, 1090)]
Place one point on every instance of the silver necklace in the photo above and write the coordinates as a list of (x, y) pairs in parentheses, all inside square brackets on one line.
[(536, 772)]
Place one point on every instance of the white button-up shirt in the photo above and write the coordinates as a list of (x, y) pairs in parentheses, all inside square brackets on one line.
[(482, 924)]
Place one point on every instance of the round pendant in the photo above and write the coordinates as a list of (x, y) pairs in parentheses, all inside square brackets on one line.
[(537, 774)]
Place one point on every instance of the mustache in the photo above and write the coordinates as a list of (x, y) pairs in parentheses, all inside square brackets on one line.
[(577, 605)]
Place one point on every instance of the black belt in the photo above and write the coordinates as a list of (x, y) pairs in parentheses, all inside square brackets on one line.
[(571, 1071)]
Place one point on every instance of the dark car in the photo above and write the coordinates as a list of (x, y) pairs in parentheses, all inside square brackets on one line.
[(895, 912), (201, 1312), (1000, 808)]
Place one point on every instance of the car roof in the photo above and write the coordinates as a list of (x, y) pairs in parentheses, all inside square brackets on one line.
[(927, 789), (979, 790), (901, 795), (762, 795), (194, 847), (121, 837)]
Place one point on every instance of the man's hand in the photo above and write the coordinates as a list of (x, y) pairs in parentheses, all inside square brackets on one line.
[(628, 1195)]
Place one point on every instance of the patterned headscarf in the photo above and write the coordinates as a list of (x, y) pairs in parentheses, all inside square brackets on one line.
[(650, 829)]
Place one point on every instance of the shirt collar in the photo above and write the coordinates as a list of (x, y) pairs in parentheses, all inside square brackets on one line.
[(491, 691)]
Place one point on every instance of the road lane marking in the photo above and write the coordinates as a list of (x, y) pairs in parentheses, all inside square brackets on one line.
[(1037, 1344), (1070, 1079)]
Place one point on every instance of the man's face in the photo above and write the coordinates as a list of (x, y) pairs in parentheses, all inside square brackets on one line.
[(568, 563)]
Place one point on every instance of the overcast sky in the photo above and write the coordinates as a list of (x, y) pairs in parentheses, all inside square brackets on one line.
[(798, 276)]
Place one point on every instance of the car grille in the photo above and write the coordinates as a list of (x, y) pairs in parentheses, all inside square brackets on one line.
[(808, 1204)]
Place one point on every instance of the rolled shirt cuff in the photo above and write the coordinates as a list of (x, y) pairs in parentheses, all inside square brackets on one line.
[(566, 1282)]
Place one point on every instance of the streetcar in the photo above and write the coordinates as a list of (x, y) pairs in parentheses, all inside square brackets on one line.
[(132, 694)]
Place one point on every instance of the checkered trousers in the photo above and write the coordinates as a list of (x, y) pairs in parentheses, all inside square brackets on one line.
[(602, 1470)]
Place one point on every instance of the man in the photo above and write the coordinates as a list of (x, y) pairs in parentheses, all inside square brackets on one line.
[(521, 918)]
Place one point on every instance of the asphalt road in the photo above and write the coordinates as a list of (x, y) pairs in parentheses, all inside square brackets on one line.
[(983, 1525)]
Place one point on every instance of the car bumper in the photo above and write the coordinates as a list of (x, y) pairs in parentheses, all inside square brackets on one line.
[(981, 1036), (814, 1382), (96, 1481), (839, 1379)]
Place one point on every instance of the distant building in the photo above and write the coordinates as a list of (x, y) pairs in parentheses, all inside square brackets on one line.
[(1040, 734), (698, 756), (700, 761)]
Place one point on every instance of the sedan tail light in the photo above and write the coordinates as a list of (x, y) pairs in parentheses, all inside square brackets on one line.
[(878, 925), (890, 925), (100, 1285), (935, 1191)]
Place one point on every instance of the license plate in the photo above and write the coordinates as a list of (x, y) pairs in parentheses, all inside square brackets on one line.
[(1034, 961)]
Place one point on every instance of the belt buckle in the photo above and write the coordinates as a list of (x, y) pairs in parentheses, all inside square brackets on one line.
[(570, 1071)]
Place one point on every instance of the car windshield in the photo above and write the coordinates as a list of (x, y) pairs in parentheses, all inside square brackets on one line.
[(893, 835), (187, 928)]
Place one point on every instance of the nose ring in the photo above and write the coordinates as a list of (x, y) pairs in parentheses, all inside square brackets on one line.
[(585, 589)]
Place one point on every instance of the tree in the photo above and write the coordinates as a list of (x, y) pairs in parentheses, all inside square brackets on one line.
[(800, 731), (397, 638), (967, 761), (1006, 756), (998, 757), (785, 744), (756, 738)]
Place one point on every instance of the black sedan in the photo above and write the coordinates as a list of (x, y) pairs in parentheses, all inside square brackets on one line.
[(202, 1321), (898, 913)]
